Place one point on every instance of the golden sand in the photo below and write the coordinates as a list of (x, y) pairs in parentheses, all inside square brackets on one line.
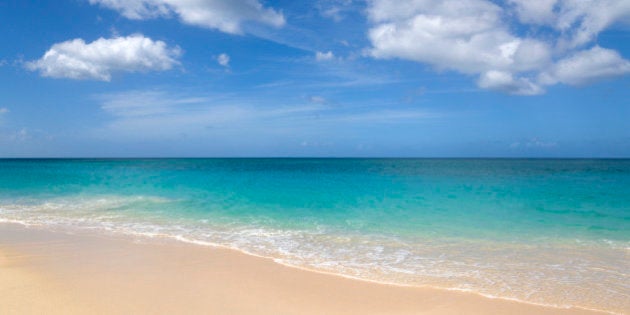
[(44, 272)]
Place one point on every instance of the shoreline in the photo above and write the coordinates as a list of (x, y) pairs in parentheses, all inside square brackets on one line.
[(170, 238), (124, 274)]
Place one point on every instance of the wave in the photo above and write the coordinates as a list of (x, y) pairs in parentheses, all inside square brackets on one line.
[(576, 273)]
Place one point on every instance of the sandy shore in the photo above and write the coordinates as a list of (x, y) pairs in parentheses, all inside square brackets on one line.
[(44, 272)]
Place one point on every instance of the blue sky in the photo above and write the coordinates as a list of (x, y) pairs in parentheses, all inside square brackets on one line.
[(426, 78)]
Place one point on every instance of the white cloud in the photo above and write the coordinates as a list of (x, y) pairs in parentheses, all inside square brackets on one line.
[(324, 56), (587, 66), (136, 9), (505, 82), (223, 60), (476, 37), (334, 9), (226, 16), (470, 43), (535, 12), (579, 20), (98, 60), (333, 12)]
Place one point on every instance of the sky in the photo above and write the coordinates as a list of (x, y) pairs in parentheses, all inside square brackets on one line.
[(319, 78)]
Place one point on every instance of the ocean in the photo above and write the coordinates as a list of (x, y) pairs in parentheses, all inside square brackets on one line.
[(552, 232)]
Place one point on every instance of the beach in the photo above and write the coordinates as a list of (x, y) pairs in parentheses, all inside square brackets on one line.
[(551, 233), (51, 272), (315, 157)]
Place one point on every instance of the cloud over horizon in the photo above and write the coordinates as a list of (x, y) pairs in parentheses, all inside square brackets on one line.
[(497, 42), (159, 113), (98, 60)]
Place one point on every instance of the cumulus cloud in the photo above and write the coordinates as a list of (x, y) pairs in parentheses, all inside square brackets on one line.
[(579, 20), (587, 66), (226, 16), (505, 82), (223, 60), (476, 37), (98, 60), (324, 56), (535, 12)]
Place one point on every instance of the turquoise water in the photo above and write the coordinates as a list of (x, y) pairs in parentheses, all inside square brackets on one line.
[(554, 232)]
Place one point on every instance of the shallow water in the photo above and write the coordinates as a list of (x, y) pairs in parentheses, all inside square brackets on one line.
[(553, 232)]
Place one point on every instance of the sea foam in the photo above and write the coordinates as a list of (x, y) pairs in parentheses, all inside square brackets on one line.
[(581, 273)]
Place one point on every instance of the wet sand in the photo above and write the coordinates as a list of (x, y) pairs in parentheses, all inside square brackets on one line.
[(48, 272)]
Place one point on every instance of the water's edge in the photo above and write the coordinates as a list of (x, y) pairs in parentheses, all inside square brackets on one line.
[(157, 238), (281, 262)]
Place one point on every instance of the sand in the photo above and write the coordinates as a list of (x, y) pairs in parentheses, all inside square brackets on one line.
[(47, 272)]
